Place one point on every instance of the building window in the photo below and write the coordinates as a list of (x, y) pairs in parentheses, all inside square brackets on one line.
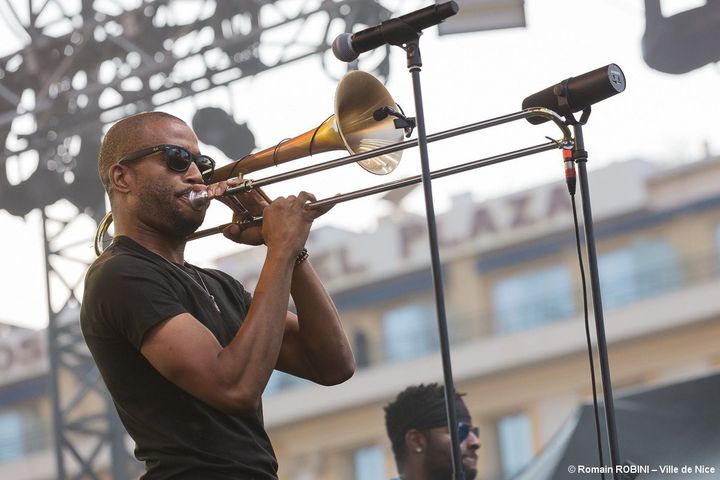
[(22, 431), (717, 248), (361, 349), (410, 331), (369, 463), (528, 300), (515, 443), (643, 269), (281, 381), (11, 436)]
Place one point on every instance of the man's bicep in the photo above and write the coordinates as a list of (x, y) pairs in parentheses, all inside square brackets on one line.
[(133, 297), (185, 352)]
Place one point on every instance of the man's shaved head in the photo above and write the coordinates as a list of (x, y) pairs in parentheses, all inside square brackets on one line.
[(126, 136)]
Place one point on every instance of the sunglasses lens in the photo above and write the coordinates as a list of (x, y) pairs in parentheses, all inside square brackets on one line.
[(206, 165), (178, 159), (463, 431)]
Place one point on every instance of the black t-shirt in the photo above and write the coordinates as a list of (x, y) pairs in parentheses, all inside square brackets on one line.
[(128, 290)]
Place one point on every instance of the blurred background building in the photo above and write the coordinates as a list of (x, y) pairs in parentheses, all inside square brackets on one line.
[(515, 310)]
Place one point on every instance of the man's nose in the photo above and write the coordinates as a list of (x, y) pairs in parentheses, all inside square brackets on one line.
[(472, 441), (193, 175)]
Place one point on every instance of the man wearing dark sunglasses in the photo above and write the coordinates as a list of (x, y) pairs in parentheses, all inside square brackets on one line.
[(185, 351), (416, 423)]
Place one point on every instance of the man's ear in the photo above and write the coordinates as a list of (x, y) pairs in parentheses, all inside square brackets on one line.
[(415, 441), (121, 178)]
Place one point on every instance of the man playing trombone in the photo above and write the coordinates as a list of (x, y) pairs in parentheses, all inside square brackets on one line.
[(184, 351)]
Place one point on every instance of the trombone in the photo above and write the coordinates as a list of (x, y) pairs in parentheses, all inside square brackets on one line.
[(372, 141)]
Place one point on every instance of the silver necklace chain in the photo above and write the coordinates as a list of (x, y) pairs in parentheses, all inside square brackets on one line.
[(203, 287)]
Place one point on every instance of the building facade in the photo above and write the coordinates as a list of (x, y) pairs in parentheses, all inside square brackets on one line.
[(515, 315)]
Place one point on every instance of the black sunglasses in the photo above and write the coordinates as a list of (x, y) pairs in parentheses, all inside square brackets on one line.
[(177, 159), (464, 430)]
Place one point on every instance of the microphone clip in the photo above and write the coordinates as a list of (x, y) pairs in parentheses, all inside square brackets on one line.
[(401, 121), (561, 91)]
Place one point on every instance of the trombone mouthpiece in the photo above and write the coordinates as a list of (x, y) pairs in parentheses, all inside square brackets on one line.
[(198, 199)]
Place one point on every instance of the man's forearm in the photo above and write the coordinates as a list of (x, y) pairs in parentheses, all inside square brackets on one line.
[(321, 337), (250, 358)]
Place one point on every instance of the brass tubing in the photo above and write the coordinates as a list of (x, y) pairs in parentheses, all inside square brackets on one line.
[(453, 132), (404, 182)]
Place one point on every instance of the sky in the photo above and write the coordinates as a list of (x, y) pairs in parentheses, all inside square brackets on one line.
[(466, 78)]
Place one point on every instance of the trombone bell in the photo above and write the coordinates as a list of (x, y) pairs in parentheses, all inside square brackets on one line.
[(358, 96), (353, 128)]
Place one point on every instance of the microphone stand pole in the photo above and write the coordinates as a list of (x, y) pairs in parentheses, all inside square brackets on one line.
[(581, 156), (414, 64)]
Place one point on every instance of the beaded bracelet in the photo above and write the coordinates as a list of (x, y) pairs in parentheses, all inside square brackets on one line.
[(301, 256)]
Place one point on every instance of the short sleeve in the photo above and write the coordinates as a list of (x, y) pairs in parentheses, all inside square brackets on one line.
[(128, 295)]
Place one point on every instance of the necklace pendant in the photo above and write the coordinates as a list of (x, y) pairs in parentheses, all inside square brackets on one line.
[(215, 303)]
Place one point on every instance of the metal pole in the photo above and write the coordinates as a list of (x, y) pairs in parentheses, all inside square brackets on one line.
[(581, 157), (414, 63), (54, 353)]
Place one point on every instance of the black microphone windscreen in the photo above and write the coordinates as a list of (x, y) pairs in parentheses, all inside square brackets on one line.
[(579, 92)]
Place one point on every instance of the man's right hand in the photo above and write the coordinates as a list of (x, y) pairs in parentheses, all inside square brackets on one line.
[(287, 221)]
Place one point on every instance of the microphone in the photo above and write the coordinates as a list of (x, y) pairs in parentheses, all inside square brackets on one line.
[(395, 31), (577, 93)]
